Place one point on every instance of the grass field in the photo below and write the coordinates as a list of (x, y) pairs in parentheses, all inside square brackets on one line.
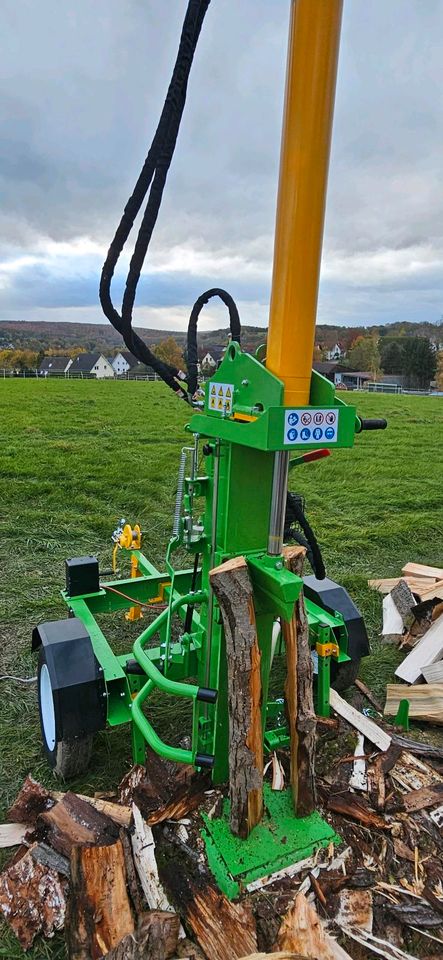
[(77, 456)]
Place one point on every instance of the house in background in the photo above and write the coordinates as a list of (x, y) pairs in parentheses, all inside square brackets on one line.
[(91, 364), (54, 365), (341, 376), (335, 353), (123, 362), (211, 359)]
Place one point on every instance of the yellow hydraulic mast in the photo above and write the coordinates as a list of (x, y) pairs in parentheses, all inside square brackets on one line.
[(307, 125)]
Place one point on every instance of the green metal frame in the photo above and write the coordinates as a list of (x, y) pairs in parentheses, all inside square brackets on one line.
[(240, 441)]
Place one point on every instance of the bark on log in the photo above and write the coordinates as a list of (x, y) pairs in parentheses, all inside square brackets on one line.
[(32, 899), (155, 938), (73, 822), (233, 589), (99, 914), (30, 802), (299, 696), (117, 812)]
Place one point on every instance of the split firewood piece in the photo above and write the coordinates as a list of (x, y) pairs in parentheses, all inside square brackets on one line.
[(381, 948), (32, 899), (99, 913), (434, 672), (13, 834), (155, 938), (72, 822), (116, 811), (367, 727), (355, 909), (303, 933), (232, 586), (426, 651), (349, 805), (377, 771), (299, 695), (422, 570), (404, 600), (359, 776), (425, 701), (416, 584), (30, 802), (143, 848), (223, 930)]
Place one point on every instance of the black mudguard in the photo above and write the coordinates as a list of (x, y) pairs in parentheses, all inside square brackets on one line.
[(331, 596), (78, 687)]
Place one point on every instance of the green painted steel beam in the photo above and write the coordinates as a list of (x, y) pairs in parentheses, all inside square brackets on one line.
[(274, 586)]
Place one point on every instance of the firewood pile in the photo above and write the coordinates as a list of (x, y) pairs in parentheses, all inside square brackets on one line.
[(413, 620), (126, 876)]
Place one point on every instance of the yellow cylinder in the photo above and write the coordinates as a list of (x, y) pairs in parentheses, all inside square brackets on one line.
[(307, 126)]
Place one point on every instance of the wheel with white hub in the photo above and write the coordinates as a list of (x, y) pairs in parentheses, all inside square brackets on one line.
[(68, 758)]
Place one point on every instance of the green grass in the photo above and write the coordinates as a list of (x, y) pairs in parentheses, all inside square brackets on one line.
[(75, 457)]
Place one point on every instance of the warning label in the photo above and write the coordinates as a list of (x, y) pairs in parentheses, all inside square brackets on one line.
[(317, 426), (220, 397)]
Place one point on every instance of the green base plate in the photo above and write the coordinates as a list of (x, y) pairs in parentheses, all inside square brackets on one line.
[(278, 841)]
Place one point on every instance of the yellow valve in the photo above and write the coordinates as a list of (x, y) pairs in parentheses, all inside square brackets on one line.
[(135, 612), (327, 649)]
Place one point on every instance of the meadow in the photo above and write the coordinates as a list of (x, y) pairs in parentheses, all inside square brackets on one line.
[(76, 456)]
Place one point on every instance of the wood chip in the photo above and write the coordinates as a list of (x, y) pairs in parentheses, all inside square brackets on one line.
[(155, 938), (303, 933), (355, 909), (143, 847), (349, 805)]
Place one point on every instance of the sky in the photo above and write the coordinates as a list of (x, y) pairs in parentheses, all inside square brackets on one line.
[(82, 86)]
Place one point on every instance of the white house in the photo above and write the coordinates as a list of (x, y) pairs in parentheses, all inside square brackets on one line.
[(336, 353), (91, 364), (54, 365), (123, 361)]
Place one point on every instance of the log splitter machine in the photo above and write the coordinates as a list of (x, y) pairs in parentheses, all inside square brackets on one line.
[(250, 423)]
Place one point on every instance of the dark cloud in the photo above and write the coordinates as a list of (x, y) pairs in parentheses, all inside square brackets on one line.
[(82, 86)]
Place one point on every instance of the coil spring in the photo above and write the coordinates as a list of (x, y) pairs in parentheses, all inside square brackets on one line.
[(179, 497)]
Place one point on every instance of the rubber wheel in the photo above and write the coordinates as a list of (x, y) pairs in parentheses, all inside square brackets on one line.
[(67, 758), (344, 674)]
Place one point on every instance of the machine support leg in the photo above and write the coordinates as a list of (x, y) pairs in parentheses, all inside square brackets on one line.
[(138, 744), (232, 586), (323, 686), (299, 696)]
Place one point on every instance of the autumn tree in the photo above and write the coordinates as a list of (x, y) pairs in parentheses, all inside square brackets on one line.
[(18, 359), (440, 370), (365, 355), (420, 362), (169, 351)]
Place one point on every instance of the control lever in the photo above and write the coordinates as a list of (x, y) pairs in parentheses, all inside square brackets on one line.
[(380, 424)]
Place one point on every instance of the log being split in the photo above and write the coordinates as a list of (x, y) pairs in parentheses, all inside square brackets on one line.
[(233, 589), (299, 696)]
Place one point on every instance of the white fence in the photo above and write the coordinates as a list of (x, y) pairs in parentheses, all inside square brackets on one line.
[(33, 374)]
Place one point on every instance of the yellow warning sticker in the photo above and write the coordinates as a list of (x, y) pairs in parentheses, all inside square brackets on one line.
[(220, 397)]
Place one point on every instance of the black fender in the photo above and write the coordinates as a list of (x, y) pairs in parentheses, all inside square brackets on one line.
[(78, 686), (332, 597)]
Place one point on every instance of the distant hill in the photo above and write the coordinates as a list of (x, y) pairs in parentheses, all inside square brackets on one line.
[(41, 335)]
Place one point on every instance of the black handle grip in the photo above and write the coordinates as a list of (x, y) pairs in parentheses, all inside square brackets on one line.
[(373, 425)]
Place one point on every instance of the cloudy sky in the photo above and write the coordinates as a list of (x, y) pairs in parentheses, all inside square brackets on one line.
[(82, 86)]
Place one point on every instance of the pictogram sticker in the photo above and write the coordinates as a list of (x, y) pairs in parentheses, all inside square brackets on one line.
[(308, 435)]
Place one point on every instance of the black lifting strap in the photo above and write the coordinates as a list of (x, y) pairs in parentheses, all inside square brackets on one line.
[(192, 352), (153, 177)]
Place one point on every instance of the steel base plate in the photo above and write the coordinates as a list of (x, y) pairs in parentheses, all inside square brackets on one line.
[(280, 840)]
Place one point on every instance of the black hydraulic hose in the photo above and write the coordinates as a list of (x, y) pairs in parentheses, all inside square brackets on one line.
[(153, 176), (296, 514), (192, 350)]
